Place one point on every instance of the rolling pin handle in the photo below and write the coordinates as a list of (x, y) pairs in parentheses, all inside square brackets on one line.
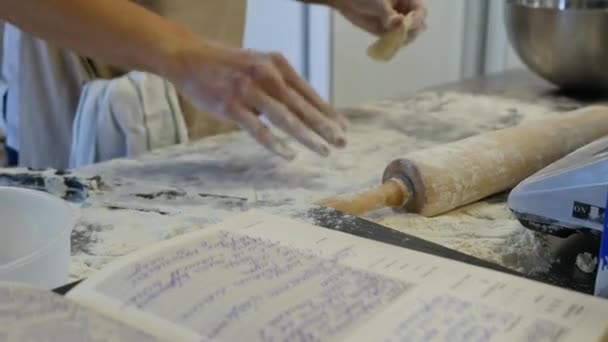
[(393, 193), (399, 193), (407, 188)]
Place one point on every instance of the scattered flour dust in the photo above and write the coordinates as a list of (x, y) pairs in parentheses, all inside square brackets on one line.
[(483, 230), (231, 165)]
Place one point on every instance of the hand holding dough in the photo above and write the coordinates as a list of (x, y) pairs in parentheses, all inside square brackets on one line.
[(385, 48)]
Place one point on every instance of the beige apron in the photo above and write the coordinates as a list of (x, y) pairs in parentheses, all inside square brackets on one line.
[(50, 80)]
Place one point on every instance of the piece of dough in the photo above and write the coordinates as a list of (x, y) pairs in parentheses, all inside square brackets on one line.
[(387, 46)]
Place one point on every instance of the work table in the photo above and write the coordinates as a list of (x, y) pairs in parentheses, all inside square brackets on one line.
[(125, 205)]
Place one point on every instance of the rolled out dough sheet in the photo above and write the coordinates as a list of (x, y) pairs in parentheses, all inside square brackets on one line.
[(387, 46)]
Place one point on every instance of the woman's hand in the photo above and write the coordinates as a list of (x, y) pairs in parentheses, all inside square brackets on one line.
[(240, 85), (380, 16)]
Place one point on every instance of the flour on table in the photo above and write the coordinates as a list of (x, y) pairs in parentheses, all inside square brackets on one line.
[(173, 191), (482, 230)]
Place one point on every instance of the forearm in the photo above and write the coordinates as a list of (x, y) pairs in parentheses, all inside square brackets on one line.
[(116, 32)]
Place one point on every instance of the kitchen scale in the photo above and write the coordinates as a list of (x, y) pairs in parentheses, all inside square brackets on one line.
[(567, 196)]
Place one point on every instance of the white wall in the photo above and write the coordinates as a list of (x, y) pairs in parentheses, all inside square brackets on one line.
[(435, 57), (500, 55), (513, 60), (287, 27), (277, 25)]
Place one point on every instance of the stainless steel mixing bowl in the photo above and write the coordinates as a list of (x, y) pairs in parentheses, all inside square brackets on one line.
[(563, 41)]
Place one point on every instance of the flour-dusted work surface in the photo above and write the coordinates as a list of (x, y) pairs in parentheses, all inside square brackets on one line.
[(134, 203)]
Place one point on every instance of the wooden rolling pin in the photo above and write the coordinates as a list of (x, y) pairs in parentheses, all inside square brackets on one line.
[(439, 179)]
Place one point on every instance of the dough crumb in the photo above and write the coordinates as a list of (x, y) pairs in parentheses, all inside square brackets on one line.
[(586, 262), (385, 48)]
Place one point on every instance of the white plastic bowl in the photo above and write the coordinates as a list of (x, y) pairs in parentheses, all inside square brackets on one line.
[(35, 232)]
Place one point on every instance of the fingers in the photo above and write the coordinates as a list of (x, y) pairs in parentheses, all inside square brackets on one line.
[(313, 118), (392, 13), (250, 123), (280, 116), (284, 107), (420, 14), (393, 21), (302, 87), (368, 22), (390, 17), (417, 6)]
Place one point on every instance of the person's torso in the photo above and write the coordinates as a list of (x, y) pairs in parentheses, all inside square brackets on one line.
[(45, 81)]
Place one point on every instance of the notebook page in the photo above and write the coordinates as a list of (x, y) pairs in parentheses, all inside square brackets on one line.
[(262, 278), (29, 314)]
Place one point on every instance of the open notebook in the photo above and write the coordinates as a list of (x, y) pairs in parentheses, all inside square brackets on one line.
[(258, 277)]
